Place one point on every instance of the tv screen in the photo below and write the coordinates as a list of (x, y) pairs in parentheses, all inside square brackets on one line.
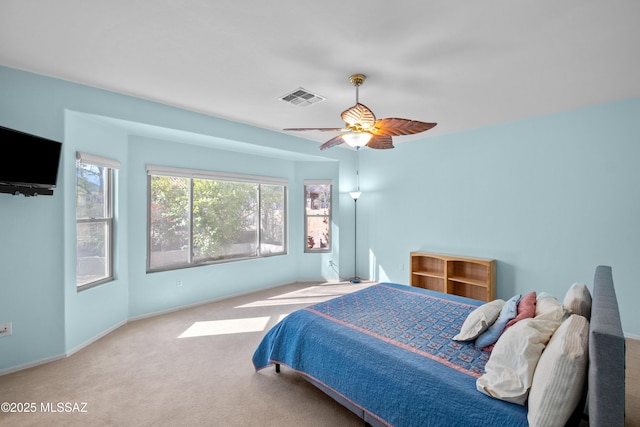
[(28, 160)]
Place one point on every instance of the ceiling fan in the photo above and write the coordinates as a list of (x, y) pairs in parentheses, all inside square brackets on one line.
[(363, 129)]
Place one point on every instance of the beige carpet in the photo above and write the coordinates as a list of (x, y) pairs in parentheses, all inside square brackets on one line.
[(193, 368), (144, 374)]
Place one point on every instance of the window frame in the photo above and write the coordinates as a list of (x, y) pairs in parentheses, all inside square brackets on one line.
[(110, 167), (191, 175), (329, 216)]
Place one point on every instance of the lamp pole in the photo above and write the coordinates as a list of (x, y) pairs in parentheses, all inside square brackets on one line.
[(355, 195)]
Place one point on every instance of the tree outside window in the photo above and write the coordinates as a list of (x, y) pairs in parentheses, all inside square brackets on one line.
[(199, 220)]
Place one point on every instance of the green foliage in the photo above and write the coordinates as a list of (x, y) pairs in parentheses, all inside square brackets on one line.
[(222, 213), (224, 218), (169, 213), (272, 201)]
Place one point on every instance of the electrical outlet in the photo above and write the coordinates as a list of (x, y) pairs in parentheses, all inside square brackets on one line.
[(179, 283), (5, 329)]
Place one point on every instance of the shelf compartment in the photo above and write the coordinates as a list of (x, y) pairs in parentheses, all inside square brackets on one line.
[(469, 281), (468, 290), (429, 274), (428, 265), (469, 272), (428, 282)]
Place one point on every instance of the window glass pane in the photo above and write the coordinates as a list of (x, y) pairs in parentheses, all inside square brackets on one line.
[(208, 219), (318, 217), (272, 219), (94, 224), (92, 251), (318, 232), (225, 219), (91, 184), (318, 199), (169, 225)]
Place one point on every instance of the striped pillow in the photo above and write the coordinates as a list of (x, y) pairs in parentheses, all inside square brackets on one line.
[(577, 300), (559, 378)]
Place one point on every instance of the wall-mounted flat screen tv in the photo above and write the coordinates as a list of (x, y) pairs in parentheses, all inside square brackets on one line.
[(28, 163)]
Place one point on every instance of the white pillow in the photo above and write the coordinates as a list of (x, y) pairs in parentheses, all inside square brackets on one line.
[(549, 308), (479, 320), (560, 375), (509, 370), (577, 300)]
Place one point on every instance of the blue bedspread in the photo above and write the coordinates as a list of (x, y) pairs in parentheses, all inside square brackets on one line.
[(388, 350)]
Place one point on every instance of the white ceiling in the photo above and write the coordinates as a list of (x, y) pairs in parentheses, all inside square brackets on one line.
[(464, 64)]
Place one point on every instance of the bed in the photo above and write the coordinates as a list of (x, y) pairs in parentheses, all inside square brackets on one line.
[(387, 353)]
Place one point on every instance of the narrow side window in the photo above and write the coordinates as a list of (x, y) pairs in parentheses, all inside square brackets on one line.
[(94, 220), (317, 213)]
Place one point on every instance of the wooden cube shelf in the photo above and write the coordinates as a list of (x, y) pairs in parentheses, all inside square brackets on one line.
[(468, 277)]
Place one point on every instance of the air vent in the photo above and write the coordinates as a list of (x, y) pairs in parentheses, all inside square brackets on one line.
[(302, 97)]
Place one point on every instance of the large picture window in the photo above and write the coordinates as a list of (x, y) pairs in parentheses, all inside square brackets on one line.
[(94, 219), (201, 217), (317, 196)]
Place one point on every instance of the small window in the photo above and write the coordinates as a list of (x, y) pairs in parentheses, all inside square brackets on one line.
[(94, 220), (317, 196)]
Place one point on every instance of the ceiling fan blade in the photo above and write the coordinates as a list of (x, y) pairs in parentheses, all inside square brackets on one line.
[(336, 140), (319, 129), (396, 127), (359, 116), (380, 142)]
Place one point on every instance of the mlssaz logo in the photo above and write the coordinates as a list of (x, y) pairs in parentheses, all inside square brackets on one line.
[(63, 407)]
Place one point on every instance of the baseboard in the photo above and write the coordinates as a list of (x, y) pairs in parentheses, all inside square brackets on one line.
[(31, 364), (95, 338), (64, 355), (632, 336)]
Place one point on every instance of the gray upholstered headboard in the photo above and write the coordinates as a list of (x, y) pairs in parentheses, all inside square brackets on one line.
[(606, 354)]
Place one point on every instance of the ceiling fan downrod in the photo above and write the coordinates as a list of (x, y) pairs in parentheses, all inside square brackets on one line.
[(357, 80)]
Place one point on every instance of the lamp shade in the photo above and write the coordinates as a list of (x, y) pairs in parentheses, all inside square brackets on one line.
[(357, 139), (355, 194)]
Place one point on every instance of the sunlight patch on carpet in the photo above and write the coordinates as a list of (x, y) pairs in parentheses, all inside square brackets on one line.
[(225, 327), (289, 301), (309, 295)]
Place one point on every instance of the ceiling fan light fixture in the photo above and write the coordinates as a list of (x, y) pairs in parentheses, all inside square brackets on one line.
[(357, 139)]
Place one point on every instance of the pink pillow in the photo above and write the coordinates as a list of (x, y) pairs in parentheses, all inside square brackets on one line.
[(526, 310)]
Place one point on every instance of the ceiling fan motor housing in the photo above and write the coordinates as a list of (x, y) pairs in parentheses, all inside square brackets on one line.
[(357, 79)]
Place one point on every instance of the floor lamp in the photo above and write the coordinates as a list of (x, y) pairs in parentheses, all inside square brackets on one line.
[(355, 195)]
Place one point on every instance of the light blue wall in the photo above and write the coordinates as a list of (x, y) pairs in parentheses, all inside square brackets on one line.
[(31, 236), (91, 312), (328, 264), (159, 291), (549, 198), (37, 235)]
